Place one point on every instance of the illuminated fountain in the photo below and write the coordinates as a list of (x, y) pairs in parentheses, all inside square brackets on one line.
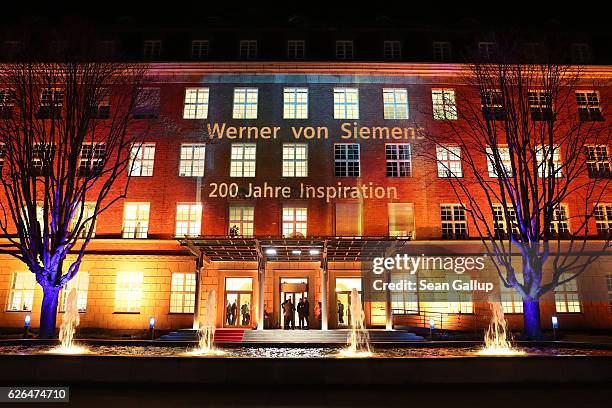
[(497, 337), (70, 321), (206, 331), (358, 342)]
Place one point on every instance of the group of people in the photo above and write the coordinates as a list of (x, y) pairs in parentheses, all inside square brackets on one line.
[(231, 314), (289, 309)]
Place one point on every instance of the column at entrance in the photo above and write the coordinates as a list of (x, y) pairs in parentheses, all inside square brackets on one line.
[(198, 292), (324, 294), (261, 268)]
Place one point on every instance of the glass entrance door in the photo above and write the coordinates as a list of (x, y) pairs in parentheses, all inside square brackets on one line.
[(292, 290), (238, 302)]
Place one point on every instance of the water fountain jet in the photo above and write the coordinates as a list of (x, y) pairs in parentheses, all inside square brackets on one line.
[(206, 331), (70, 321), (358, 342), (497, 337)]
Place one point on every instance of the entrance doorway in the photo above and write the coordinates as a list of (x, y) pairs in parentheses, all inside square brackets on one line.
[(238, 302), (344, 287), (292, 289)]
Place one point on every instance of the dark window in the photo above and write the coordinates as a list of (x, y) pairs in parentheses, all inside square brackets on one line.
[(540, 105), (589, 109), (147, 104), (493, 105), (51, 101)]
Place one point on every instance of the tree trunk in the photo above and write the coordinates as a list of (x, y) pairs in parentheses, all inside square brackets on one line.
[(531, 319), (48, 313)]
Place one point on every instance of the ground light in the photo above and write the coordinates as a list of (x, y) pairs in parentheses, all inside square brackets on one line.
[(152, 327), (26, 326), (555, 326), (270, 251), (432, 326)]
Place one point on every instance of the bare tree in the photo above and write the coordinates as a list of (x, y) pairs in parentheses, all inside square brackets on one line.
[(66, 139), (530, 138)]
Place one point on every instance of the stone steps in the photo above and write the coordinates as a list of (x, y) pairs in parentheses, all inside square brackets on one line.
[(221, 335)]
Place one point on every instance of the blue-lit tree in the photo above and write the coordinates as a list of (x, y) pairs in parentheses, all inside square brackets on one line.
[(66, 138), (529, 144)]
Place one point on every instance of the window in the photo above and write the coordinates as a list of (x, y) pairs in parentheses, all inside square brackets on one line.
[(199, 49), (511, 300), (193, 160), (295, 221), (348, 219), (449, 161), (395, 103), (549, 162), (12, 49), (454, 221), (151, 49), (142, 157), (401, 220), (42, 159), (404, 301), (444, 106), (81, 283), (567, 297), (589, 109), (243, 160), (92, 159), (83, 217), (493, 105), (503, 162), (245, 103), (248, 49), (296, 49), (241, 220), (559, 224), (441, 50), (609, 285), (188, 220), (51, 102), (344, 50), (399, 159), (2, 154), (295, 160), (128, 292), (500, 221), (603, 219), (459, 301), (532, 52), (346, 103), (21, 295), (196, 103), (346, 160), (107, 48), (487, 51), (147, 104), (100, 108), (392, 50), (7, 101), (540, 105), (295, 103), (581, 53), (136, 220), (598, 161), (182, 293)]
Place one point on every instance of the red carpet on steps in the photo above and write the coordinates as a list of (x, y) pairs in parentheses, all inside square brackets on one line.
[(228, 335)]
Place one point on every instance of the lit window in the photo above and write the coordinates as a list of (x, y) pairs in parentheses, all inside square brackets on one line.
[(449, 161), (196, 103), (459, 301), (151, 49), (243, 160), (500, 221), (549, 162), (346, 160), (81, 283), (348, 219), (7, 101), (188, 219), (248, 49), (598, 161), (245, 103), (499, 159), (142, 157), (487, 51), (21, 295), (589, 108), (444, 105), (42, 159), (540, 105), (296, 49), (2, 154), (182, 293), (399, 159), (454, 221), (295, 103), (193, 160), (136, 220), (128, 292), (581, 53), (295, 221), (241, 220), (404, 301), (199, 49), (567, 297), (492, 105), (511, 300), (609, 286), (346, 103), (603, 220), (295, 160), (51, 102), (344, 50), (91, 162), (147, 103), (559, 224), (83, 217), (395, 103), (441, 50), (392, 50), (401, 220)]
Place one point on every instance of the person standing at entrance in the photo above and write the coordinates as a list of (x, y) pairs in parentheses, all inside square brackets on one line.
[(286, 312), (234, 310), (306, 313), (291, 314), (340, 312), (300, 311), (244, 311), (228, 313)]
